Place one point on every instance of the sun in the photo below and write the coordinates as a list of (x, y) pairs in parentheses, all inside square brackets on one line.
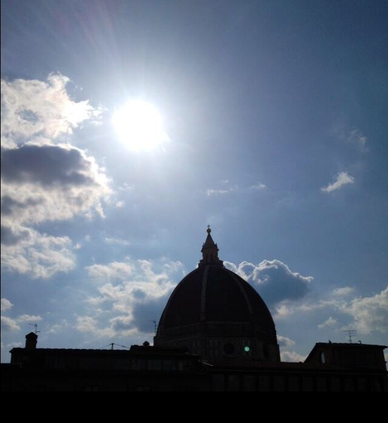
[(139, 126)]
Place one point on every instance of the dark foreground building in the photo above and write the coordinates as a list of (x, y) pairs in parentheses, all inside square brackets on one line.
[(215, 334)]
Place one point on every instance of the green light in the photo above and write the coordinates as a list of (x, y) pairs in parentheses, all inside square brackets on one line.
[(247, 349)]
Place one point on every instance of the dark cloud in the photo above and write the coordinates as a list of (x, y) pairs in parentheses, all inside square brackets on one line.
[(276, 282), (46, 165), (11, 237), (145, 313), (9, 206), (273, 280), (121, 324)]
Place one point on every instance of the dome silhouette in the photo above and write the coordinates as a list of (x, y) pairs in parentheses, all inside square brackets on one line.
[(216, 313)]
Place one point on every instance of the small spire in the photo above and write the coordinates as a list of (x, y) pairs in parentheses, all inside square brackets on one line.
[(210, 251)]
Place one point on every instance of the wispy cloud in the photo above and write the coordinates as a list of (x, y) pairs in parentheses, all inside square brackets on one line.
[(357, 138), (342, 179), (259, 187), (211, 192), (343, 292), (117, 241), (283, 341), (351, 135), (328, 323), (223, 191)]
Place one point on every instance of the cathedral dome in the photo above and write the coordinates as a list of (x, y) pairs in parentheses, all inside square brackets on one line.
[(215, 294), (214, 312)]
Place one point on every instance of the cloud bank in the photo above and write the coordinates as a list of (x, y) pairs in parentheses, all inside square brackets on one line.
[(133, 295), (367, 315), (44, 179)]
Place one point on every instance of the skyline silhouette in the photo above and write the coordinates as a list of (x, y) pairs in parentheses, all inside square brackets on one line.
[(129, 126)]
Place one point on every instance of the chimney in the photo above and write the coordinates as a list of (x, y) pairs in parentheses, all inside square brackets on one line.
[(31, 341)]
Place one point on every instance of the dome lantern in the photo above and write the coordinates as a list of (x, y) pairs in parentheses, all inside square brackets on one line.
[(210, 251)]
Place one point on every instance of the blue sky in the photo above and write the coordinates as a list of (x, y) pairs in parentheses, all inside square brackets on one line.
[(274, 133)]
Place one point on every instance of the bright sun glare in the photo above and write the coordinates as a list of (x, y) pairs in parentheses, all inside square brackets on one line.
[(139, 126)]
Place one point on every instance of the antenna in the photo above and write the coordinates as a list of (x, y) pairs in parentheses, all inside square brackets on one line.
[(155, 324), (351, 332), (36, 328), (112, 346)]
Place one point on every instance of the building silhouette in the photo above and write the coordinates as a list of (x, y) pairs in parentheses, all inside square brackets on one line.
[(215, 334), (215, 313)]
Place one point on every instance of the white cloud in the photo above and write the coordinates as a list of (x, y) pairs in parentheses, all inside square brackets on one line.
[(86, 324), (227, 189), (5, 305), (120, 204), (285, 309), (58, 327), (43, 179), (13, 324), (224, 190), (259, 187), (136, 298), (342, 179), (292, 356), (328, 323), (27, 318), (115, 270), (48, 183), (92, 326), (40, 256), (33, 110), (117, 241), (8, 324), (343, 292), (283, 341), (214, 192), (370, 314)]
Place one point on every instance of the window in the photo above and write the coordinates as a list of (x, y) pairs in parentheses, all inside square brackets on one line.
[(264, 383), (233, 383), (293, 384), (92, 388), (307, 384), (323, 358), (154, 365), (321, 384), (279, 384), (249, 383), (143, 389), (168, 365), (218, 383)]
